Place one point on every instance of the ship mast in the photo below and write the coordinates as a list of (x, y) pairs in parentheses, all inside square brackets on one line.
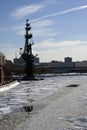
[(28, 36), (27, 54)]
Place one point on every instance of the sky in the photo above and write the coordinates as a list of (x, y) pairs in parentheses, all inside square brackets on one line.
[(59, 28)]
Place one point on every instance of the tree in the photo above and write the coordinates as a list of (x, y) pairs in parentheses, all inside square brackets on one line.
[(8, 68)]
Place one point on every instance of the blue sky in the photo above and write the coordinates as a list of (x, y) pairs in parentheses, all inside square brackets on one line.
[(59, 28)]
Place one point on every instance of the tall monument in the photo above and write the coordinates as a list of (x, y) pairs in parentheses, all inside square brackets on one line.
[(27, 54)]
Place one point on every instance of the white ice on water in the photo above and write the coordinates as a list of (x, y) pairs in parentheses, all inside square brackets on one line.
[(66, 109), (66, 99), (8, 86)]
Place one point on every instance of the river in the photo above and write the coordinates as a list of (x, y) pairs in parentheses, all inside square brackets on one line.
[(26, 92), (14, 98)]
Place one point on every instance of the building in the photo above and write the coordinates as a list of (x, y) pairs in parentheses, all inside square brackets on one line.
[(82, 64), (20, 63), (1, 75), (2, 62), (36, 61), (2, 59), (68, 59), (58, 66), (67, 66)]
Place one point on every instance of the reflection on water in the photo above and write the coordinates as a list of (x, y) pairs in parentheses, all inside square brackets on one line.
[(30, 91), (73, 85), (28, 108)]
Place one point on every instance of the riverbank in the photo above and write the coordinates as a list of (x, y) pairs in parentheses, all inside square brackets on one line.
[(8, 86)]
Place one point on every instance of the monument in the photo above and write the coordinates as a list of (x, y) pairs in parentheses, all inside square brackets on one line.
[(27, 54)]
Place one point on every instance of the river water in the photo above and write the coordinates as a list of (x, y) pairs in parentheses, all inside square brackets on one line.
[(27, 92)]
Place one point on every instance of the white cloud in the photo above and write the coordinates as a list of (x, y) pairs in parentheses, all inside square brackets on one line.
[(38, 29), (75, 53), (61, 13), (44, 32), (62, 44), (69, 43), (43, 23), (20, 12), (70, 10), (44, 29), (49, 50), (19, 29)]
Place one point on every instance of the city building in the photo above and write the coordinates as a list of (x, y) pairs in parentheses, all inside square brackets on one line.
[(82, 64), (68, 59), (59, 66), (56, 66), (36, 61), (65, 67), (2, 62), (19, 62), (2, 59)]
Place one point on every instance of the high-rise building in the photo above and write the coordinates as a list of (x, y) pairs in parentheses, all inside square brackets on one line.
[(68, 59), (2, 59), (2, 62)]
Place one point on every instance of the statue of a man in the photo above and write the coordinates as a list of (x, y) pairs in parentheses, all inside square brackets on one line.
[(29, 48)]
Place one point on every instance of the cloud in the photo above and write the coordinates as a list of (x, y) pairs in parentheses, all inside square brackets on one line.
[(69, 43), (61, 13), (44, 29), (43, 23), (44, 33), (39, 30), (19, 29), (20, 12), (50, 50), (50, 44), (75, 53)]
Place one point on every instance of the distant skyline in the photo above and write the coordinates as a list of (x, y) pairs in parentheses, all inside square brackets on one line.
[(59, 28)]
